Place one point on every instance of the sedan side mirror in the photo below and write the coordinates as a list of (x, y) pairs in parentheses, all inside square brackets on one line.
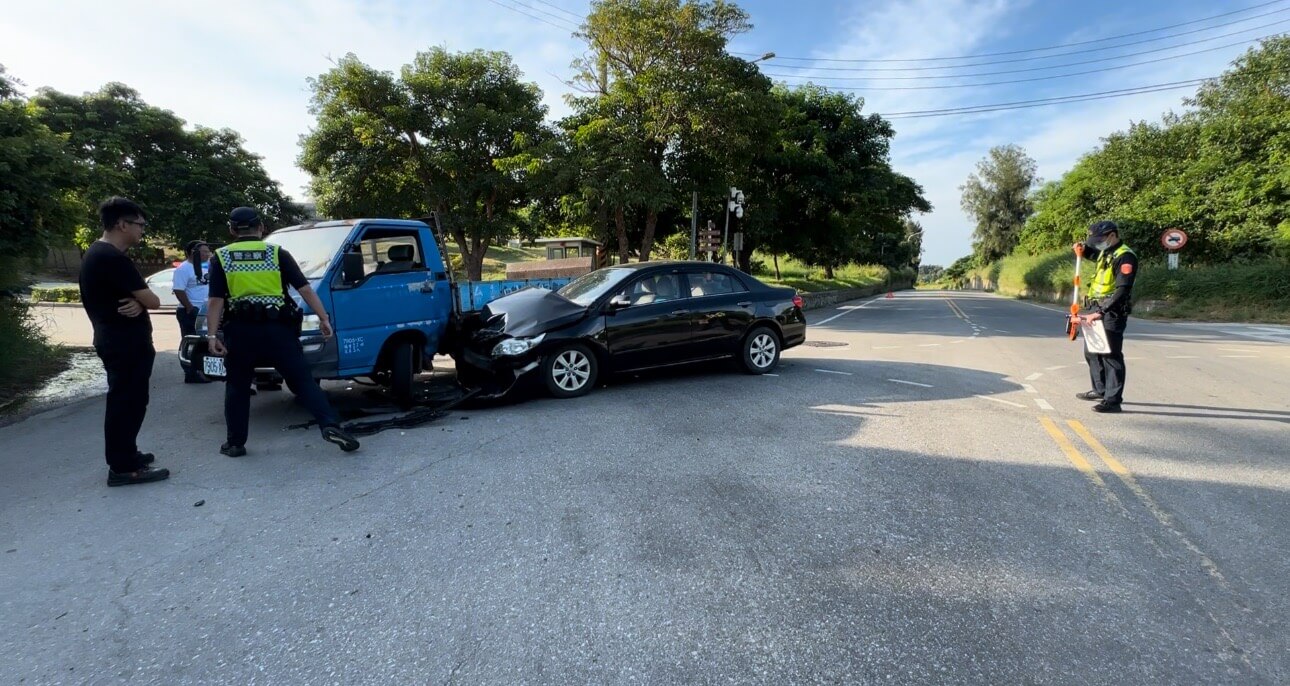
[(618, 302)]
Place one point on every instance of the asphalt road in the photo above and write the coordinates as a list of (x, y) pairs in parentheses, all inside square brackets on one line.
[(922, 500)]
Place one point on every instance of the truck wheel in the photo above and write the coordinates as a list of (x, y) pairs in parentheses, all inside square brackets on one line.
[(403, 373), (760, 351), (570, 371)]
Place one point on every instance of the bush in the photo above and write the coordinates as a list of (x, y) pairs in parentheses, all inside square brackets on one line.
[(61, 294), (26, 360)]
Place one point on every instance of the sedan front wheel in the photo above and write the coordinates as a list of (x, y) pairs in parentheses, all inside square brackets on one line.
[(570, 371)]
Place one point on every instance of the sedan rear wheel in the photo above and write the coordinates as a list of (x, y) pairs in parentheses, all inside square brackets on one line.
[(570, 371), (761, 350)]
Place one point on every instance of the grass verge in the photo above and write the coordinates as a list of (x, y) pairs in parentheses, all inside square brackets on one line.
[(27, 360)]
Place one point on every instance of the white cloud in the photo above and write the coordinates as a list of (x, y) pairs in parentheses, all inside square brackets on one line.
[(242, 64)]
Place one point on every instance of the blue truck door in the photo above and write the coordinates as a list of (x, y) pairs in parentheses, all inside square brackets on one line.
[(403, 287)]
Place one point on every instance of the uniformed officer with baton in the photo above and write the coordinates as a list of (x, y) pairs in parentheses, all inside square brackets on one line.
[(261, 324), (1108, 301)]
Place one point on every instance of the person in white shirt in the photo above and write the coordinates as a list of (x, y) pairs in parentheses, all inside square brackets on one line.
[(190, 286)]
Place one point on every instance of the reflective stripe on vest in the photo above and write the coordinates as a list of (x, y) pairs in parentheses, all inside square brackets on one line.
[(1103, 284), (252, 271)]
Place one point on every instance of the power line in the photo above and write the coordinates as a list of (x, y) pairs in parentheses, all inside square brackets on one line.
[(968, 109), (1030, 50), (532, 16), (1047, 57), (539, 10), (1011, 81), (558, 8)]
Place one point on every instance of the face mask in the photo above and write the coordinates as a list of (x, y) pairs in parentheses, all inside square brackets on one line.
[(1099, 244)]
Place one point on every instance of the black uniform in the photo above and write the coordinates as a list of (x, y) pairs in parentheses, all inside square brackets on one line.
[(125, 346), (1108, 372), (275, 343)]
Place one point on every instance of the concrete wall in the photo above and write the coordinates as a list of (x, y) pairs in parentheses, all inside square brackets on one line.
[(549, 269), (813, 301)]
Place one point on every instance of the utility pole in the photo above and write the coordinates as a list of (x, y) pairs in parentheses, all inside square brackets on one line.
[(694, 223)]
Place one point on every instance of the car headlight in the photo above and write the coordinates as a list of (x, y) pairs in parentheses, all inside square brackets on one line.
[(310, 325), (516, 346)]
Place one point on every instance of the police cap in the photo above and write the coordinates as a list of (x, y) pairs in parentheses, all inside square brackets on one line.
[(243, 218), (1103, 228)]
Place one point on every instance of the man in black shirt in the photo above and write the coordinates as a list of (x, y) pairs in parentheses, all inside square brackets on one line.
[(262, 324), (117, 301)]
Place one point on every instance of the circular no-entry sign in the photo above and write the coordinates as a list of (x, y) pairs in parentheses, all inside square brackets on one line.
[(1173, 239)]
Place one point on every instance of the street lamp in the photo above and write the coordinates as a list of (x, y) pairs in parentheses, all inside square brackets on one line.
[(763, 58)]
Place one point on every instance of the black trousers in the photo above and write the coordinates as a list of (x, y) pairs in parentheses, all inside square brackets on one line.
[(187, 327), (267, 344), (129, 371), (1107, 372)]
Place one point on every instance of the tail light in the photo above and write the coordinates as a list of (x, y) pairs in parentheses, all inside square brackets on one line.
[(798, 302)]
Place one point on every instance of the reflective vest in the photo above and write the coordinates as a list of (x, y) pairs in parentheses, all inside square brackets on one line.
[(254, 277), (1103, 284)]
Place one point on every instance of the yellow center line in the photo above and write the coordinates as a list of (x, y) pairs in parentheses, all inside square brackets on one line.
[(1071, 453), (955, 309), (1161, 515)]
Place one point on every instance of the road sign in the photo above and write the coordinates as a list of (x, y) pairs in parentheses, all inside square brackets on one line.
[(1173, 239)]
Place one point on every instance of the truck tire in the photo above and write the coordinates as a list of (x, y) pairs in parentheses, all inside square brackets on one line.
[(759, 353), (403, 373), (570, 371)]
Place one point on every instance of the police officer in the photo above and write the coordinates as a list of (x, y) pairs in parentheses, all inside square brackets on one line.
[(262, 324), (1109, 301)]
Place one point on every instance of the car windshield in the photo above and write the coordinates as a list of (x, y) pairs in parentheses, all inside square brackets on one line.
[(588, 288), (313, 249)]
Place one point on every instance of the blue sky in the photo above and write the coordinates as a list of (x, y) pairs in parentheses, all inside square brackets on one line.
[(243, 63)]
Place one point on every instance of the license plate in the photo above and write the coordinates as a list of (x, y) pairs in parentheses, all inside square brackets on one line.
[(213, 366)]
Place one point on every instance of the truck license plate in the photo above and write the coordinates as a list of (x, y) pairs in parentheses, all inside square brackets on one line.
[(213, 366)]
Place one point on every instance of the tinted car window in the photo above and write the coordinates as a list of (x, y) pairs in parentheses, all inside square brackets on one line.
[(714, 283), (659, 288)]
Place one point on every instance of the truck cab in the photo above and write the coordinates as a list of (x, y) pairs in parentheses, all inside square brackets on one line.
[(389, 295)]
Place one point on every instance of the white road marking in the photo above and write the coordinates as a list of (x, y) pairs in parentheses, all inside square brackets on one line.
[(770, 374), (1034, 376), (929, 345), (1029, 388), (1043, 404), (911, 383), (830, 371), (888, 347), (1180, 357), (1165, 345), (1000, 400), (1240, 357), (1053, 369), (846, 312), (1003, 331), (1239, 350)]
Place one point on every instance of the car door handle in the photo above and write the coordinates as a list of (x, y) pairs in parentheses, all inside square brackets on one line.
[(746, 303), (677, 313)]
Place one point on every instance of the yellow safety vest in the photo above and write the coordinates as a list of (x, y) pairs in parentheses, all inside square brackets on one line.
[(1103, 284), (253, 273)]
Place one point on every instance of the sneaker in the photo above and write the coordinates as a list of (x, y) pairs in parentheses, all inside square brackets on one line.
[(334, 434), (139, 476), (232, 450), (1089, 395), (1107, 407)]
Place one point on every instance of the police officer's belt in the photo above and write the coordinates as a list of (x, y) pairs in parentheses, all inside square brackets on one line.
[(246, 311)]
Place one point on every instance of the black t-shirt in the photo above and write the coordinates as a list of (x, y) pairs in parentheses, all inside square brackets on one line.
[(107, 276), (291, 276)]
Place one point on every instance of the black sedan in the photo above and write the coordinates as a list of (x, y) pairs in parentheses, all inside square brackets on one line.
[(628, 318)]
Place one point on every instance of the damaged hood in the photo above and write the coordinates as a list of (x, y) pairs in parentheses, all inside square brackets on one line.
[(529, 312)]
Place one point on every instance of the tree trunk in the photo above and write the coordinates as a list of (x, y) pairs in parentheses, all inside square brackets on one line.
[(647, 243), (621, 222), (828, 272), (472, 255), (775, 256)]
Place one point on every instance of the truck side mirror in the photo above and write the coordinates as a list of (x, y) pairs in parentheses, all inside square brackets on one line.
[(351, 267)]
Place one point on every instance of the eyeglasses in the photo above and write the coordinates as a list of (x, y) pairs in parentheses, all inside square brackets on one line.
[(140, 224)]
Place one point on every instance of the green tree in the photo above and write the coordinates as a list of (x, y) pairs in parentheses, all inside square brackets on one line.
[(443, 136), (186, 180), (37, 176), (669, 111), (997, 197)]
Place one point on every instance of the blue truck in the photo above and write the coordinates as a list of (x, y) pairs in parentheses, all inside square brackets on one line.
[(389, 294)]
